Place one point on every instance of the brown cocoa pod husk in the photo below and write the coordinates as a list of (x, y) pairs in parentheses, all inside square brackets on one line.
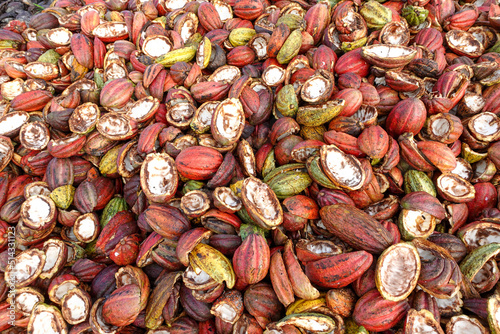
[(356, 228)]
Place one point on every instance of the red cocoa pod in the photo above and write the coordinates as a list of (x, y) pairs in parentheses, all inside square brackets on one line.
[(157, 87), (126, 251), (224, 173), (356, 228), (368, 195), (199, 311), (166, 220), (458, 213), (329, 197), (452, 85), (349, 80), (4, 186), (463, 19), (31, 101), (302, 206), (438, 154), (86, 270), (292, 222), (407, 116), (121, 225), (317, 18), (278, 37), (261, 302), (206, 327), (347, 143), (353, 100), (282, 128), (148, 138), (352, 62), (209, 17), (16, 186), (179, 71), (284, 147), (251, 259), (324, 58), (391, 158), (370, 94), (225, 243), (486, 197), (478, 306), (164, 255), (99, 53), (437, 104), (301, 75), (11, 210), (104, 282), (388, 99), (43, 21), (250, 101), (35, 163), (423, 201), (443, 9), (68, 218), (248, 9), (240, 56), (411, 153), (122, 307), (451, 243), (431, 38), (261, 155), (374, 142), (124, 49), (279, 279), (59, 172), (300, 283), (82, 48), (338, 271), (376, 314), (89, 21), (85, 198), (66, 147), (150, 73), (105, 189), (218, 36), (188, 241), (209, 91), (198, 162), (116, 93), (81, 168)]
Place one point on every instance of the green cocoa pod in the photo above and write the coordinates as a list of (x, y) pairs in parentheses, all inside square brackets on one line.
[(290, 48), (375, 14), (315, 115), (289, 184), (183, 54), (415, 180), (115, 205), (241, 36), (415, 15), (287, 102)]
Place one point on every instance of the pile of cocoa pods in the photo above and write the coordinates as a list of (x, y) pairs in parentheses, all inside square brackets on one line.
[(251, 166)]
